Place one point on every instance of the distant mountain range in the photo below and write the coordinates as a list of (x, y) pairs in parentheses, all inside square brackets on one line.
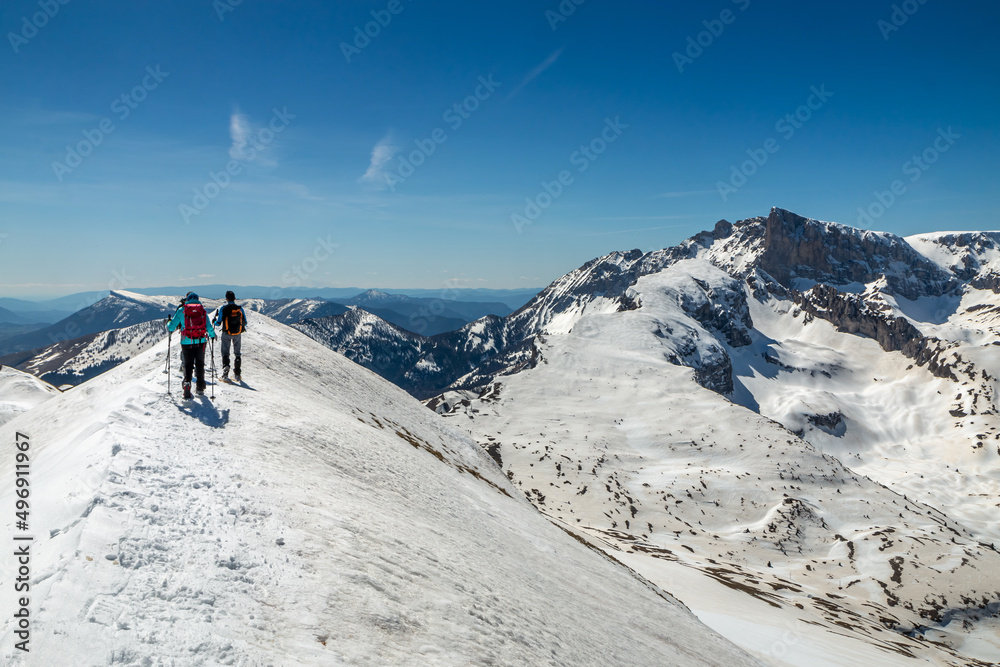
[(512, 298), (31, 327), (31, 316), (783, 253), (425, 316), (120, 309), (122, 326)]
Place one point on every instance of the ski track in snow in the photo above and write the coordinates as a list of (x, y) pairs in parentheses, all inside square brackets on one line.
[(317, 515)]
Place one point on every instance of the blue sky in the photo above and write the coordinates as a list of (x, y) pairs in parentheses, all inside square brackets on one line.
[(576, 133)]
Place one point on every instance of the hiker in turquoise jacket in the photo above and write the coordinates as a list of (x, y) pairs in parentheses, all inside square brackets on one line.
[(196, 329)]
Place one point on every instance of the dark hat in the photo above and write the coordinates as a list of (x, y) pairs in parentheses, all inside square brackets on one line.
[(230, 296), (192, 296)]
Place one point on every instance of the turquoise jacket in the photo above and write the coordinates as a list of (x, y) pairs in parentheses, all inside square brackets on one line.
[(177, 322)]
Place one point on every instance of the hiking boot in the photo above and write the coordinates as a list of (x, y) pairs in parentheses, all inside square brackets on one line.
[(225, 373), (187, 390)]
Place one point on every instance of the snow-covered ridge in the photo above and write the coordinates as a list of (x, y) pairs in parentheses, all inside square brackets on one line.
[(963, 254), (20, 392), (118, 310), (289, 311), (316, 516), (124, 296)]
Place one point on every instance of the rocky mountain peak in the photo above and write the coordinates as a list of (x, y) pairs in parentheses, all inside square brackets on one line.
[(798, 248)]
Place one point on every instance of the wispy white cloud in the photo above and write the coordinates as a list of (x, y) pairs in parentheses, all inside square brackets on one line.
[(239, 131), (382, 155), (536, 72), (301, 191), (251, 142)]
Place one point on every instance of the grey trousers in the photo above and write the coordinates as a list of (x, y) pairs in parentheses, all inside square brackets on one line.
[(234, 341)]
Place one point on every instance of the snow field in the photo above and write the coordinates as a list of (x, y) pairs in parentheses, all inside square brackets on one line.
[(899, 428), (607, 435), (19, 392)]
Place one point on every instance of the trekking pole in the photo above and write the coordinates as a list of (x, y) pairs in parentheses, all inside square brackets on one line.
[(212, 346), (170, 335)]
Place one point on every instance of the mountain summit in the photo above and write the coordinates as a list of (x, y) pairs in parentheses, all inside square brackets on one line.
[(797, 410)]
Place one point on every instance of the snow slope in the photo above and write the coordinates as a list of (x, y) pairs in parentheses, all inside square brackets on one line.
[(936, 439), (962, 254), (20, 392), (316, 515), (726, 508)]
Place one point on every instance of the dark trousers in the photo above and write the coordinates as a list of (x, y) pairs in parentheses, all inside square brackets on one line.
[(234, 341), (194, 359)]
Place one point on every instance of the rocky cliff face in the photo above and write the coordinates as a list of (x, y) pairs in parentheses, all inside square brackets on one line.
[(797, 247), (990, 281), (721, 308)]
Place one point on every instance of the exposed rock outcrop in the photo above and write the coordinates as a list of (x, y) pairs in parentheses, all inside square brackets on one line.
[(797, 247), (851, 313)]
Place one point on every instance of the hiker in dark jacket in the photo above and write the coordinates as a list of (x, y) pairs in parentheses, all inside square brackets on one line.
[(196, 329), (233, 322)]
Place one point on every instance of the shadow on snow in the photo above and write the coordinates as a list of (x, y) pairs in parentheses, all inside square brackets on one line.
[(205, 411)]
